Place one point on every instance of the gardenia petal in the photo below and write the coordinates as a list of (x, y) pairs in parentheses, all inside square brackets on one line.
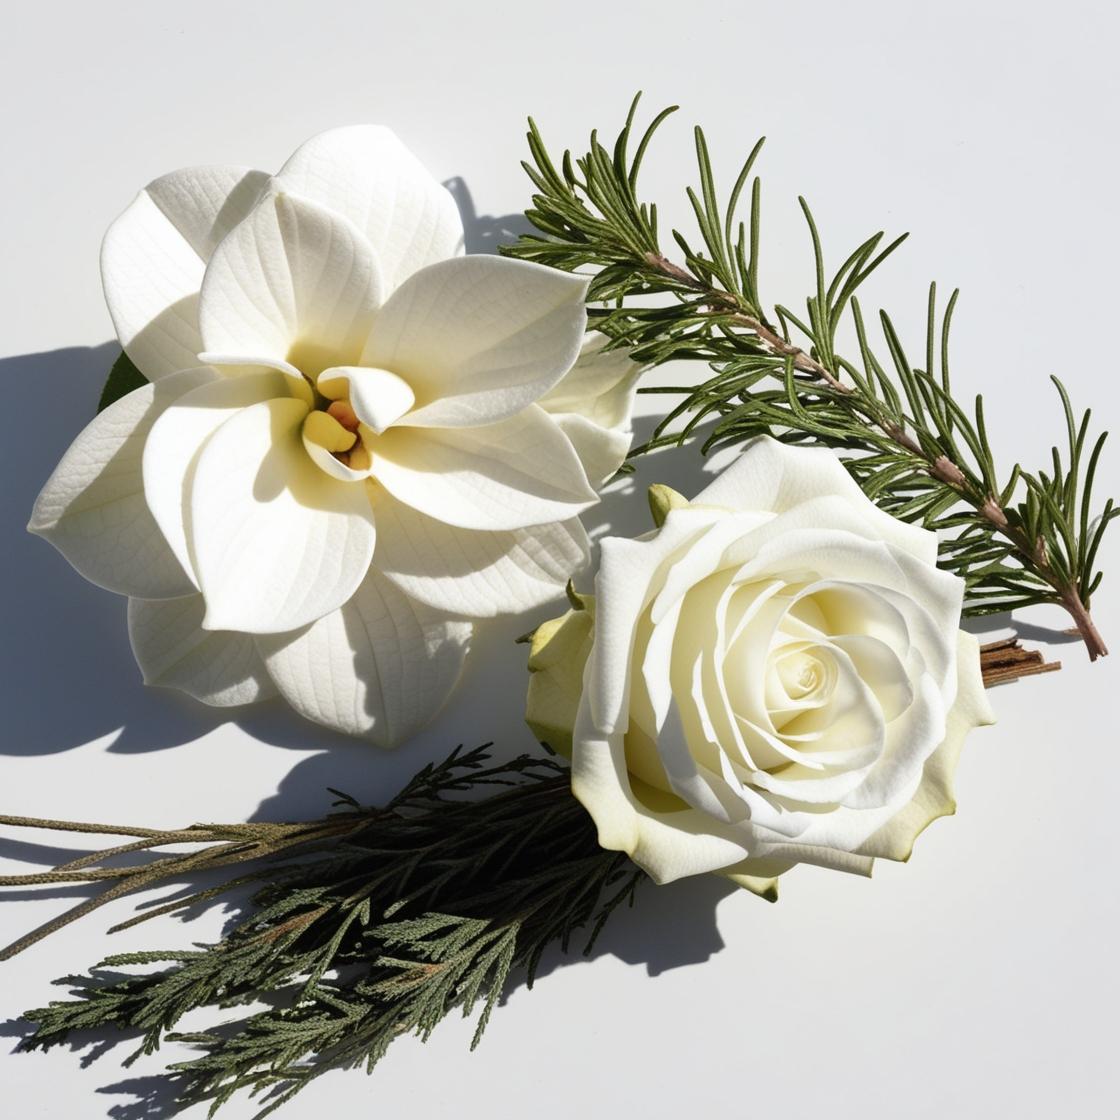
[(293, 283), (380, 666), (93, 508), (600, 386), (154, 255), (601, 450), (177, 437), (379, 398), (218, 667), (592, 405), (276, 543), (518, 472), (476, 572), (479, 338), (366, 174)]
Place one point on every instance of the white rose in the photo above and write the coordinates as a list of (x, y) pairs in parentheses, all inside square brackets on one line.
[(341, 458), (774, 677)]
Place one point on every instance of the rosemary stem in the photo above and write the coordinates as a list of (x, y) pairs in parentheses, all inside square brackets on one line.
[(939, 466)]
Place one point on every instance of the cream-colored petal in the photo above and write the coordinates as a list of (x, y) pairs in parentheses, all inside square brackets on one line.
[(476, 573), (293, 283), (601, 450), (600, 387), (276, 543), (510, 475), (93, 507), (627, 582), (154, 255), (667, 845), (759, 876), (176, 439), (379, 397), (366, 174), (479, 338), (777, 477), (218, 667), (934, 797), (380, 666)]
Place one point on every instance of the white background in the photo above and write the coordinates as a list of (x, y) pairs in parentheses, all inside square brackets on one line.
[(978, 980)]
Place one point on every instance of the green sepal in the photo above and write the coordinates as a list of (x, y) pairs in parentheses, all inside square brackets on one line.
[(662, 499), (558, 651), (122, 379)]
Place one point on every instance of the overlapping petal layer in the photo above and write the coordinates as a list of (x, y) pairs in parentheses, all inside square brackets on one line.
[(368, 176), (471, 572), (154, 255), (776, 677), (327, 362), (219, 667), (276, 542), (93, 508), (295, 284), (509, 475), (478, 339), (593, 403), (379, 667)]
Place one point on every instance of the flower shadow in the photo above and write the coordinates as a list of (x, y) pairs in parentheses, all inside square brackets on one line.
[(66, 667), (69, 676), (485, 233)]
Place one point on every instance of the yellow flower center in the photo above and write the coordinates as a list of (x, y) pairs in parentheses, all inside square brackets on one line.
[(348, 406)]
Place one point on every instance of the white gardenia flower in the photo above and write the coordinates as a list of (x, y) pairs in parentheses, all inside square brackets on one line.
[(355, 441), (776, 676)]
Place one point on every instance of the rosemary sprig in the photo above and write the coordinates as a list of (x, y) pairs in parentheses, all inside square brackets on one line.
[(366, 925), (1017, 538)]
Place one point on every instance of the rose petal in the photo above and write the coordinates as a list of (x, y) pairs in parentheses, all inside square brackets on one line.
[(666, 846), (775, 477), (626, 583), (934, 797)]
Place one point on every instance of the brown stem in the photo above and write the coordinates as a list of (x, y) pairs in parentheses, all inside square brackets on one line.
[(1005, 661), (940, 467), (223, 846), (1090, 635)]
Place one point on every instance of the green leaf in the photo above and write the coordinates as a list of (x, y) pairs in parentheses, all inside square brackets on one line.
[(903, 435), (122, 379)]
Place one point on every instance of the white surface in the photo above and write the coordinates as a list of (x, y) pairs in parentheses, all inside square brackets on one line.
[(978, 980)]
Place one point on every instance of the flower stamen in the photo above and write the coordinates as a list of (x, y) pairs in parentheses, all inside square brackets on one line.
[(344, 413), (324, 429)]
